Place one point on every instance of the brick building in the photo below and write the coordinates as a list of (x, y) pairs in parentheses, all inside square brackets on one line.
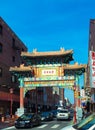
[(92, 35), (91, 47), (10, 50), (10, 55)]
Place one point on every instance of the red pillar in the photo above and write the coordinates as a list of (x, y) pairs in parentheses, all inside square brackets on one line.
[(79, 102), (75, 95), (21, 97), (74, 118)]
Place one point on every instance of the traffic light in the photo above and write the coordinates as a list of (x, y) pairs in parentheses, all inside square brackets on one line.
[(75, 94), (78, 94)]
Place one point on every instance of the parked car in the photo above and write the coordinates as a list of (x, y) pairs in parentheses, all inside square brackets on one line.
[(86, 124), (60, 108), (54, 113), (71, 110), (46, 116), (28, 120), (63, 114)]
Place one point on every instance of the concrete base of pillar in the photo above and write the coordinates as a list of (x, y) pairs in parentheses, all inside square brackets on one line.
[(19, 112)]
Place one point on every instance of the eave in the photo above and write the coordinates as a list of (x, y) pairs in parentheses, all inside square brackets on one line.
[(21, 71), (75, 66), (35, 53), (75, 69), (22, 68), (62, 56)]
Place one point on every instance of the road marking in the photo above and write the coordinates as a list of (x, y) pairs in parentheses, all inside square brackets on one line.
[(8, 128), (55, 126), (42, 126)]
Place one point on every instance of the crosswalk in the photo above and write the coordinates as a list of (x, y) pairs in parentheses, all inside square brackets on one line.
[(52, 127), (55, 126), (39, 127), (44, 126)]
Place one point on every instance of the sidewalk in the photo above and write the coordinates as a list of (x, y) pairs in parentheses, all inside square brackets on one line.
[(7, 123), (10, 123)]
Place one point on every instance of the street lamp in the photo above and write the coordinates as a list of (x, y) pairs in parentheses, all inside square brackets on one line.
[(11, 92), (36, 100), (74, 90)]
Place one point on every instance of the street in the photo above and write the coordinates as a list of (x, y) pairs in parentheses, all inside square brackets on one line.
[(57, 125)]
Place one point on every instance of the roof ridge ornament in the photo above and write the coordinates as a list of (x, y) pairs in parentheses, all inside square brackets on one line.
[(22, 65), (76, 63), (35, 50), (62, 49)]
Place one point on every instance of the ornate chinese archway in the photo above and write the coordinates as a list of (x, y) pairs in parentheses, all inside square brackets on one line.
[(46, 69)]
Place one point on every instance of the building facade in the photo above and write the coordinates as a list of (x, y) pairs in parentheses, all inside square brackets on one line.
[(10, 50), (91, 47)]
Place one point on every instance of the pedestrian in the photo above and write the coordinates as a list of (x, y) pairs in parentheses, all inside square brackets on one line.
[(79, 114), (84, 111), (88, 106)]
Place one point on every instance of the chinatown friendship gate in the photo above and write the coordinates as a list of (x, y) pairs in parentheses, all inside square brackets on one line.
[(48, 69)]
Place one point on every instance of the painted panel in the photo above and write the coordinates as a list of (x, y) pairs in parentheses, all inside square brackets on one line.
[(49, 77), (61, 83)]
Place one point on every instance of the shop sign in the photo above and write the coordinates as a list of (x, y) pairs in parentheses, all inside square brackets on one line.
[(49, 72), (92, 69)]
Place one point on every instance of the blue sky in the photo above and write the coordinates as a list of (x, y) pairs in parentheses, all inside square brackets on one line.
[(50, 24)]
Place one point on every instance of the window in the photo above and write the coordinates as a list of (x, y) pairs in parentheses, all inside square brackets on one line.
[(0, 72), (1, 30), (22, 49), (13, 42), (92, 47), (1, 47), (13, 58), (13, 79)]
